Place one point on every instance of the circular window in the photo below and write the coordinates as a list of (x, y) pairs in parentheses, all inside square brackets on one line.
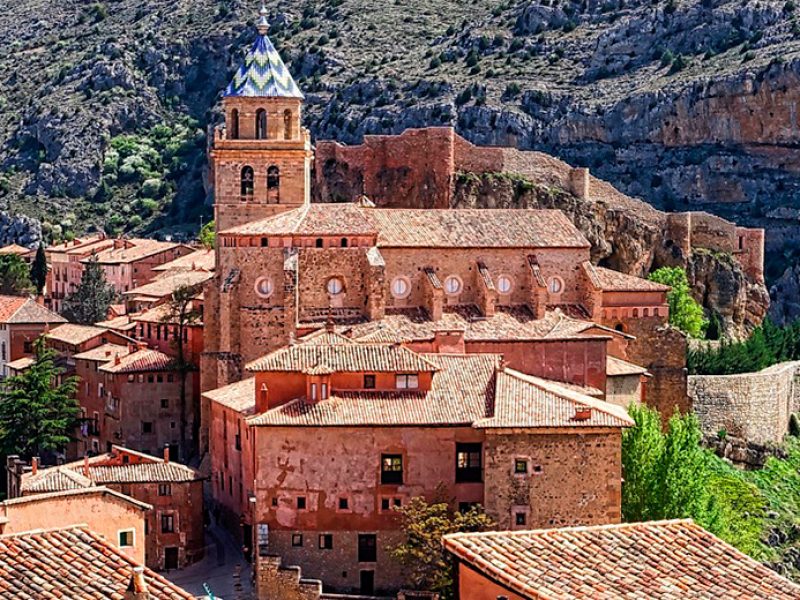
[(452, 285), (401, 287), (335, 286), (264, 287), (505, 284), (555, 285)]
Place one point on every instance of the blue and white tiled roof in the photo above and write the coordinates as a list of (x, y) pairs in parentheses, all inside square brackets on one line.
[(263, 73)]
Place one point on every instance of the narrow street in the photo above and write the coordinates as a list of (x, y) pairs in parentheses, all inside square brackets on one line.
[(224, 569)]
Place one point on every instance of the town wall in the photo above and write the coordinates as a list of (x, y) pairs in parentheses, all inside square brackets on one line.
[(624, 390), (755, 407), (571, 479)]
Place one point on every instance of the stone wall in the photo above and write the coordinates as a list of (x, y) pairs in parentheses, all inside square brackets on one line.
[(752, 406)]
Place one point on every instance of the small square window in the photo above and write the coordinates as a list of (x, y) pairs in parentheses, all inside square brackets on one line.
[(520, 518), (384, 504), (297, 540), (343, 504), (397, 502), (391, 469), (521, 466), (149, 379), (126, 538), (167, 524), (172, 425), (164, 489), (407, 381), (369, 382), (131, 378), (275, 501), (147, 427), (326, 541), (301, 503), (537, 468), (159, 378), (164, 403)]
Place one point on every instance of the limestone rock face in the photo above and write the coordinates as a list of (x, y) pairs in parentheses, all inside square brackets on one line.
[(785, 293)]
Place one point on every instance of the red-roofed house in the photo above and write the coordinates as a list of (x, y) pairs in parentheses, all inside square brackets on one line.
[(22, 320), (335, 433)]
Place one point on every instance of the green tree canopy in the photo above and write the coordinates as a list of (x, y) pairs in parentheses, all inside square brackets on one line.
[(37, 413), (89, 303), (685, 312), (14, 276), (423, 524), (208, 235), (39, 270), (669, 475)]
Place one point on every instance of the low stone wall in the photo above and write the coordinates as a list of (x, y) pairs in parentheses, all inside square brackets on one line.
[(755, 407)]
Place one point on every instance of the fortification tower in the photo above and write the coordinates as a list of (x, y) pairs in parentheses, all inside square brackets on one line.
[(261, 157)]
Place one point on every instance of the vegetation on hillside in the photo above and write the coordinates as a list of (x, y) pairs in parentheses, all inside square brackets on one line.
[(14, 276), (685, 312), (767, 345)]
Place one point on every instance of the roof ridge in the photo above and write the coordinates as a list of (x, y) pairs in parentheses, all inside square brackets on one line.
[(84, 527)]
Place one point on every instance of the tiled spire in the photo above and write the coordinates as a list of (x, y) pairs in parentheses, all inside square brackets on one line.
[(263, 73)]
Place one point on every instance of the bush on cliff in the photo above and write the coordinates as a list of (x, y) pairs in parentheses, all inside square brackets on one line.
[(685, 312), (669, 475)]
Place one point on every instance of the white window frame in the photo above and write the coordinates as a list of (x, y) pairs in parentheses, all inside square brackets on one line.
[(403, 381), (133, 537)]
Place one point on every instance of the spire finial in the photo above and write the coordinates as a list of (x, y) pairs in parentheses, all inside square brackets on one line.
[(263, 23)]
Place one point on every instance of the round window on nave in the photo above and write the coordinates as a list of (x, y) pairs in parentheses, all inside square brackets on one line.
[(264, 287)]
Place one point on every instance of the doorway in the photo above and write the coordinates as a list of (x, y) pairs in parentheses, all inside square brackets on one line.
[(367, 586), (170, 558)]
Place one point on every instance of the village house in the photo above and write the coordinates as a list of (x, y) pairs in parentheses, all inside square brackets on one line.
[(161, 288), (116, 517), (174, 528), (372, 425), (70, 339), (658, 560), (131, 395), (22, 321), (76, 563)]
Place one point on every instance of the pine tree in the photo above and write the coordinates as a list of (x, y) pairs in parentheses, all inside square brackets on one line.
[(14, 276), (89, 303), (39, 270), (36, 412)]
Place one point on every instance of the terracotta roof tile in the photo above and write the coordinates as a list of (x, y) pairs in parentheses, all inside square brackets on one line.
[(315, 219), (199, 260), (72, 333), (53, 479), (134, 250), (19, 309), (20, 364), (662, 560), (616, 367), (614, 281), (343, 358), (74, 243), (163, 313), (104, 353), (99, 490), (121, 323), (71, 563), (139, 361), (240, 396), (525, 401), (166, 283), (14, 249)]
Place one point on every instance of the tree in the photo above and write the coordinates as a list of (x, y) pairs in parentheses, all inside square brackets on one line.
[(423, 526), (14, 276), (685, 312), (181, 313), (669, 475), (37, 413), (208, 235), (89, 303), (39, 270)]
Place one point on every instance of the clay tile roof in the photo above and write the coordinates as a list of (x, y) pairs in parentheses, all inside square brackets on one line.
[(459, 394), (53, 479), (19, 309), (199, 260), (659, 560), (72, 333), (74, 243), (121, 323), (165, 284), (14, 249), (475, 228), (104, 353), (614, 281), (316, 219), (72, 563), (322, 337), (99, 490), (240, 396), (263, 74), (139, 361), (341, 357), (21, 363), (136, 249), (526, 401), (163, 313), (616, 367)]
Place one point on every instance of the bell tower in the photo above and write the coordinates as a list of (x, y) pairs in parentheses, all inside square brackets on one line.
[(261, 157)]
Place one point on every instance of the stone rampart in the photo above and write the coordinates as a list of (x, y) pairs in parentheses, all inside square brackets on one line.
[(752, 406)]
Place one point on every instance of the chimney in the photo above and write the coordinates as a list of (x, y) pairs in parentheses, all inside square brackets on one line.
[(166, 454), (582, 412), (117, 359), (86, 465), (137, 586), (34, 465), (133, 347), (449, 341)]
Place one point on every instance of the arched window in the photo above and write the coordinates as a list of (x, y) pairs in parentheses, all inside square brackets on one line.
[(344, 242), (287, 124), (261, 124), (234, 124), (247, 182), (620, 327), (318, 243), (273, 178)]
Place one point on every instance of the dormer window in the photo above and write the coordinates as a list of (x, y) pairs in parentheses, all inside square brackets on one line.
[(407, 381)]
